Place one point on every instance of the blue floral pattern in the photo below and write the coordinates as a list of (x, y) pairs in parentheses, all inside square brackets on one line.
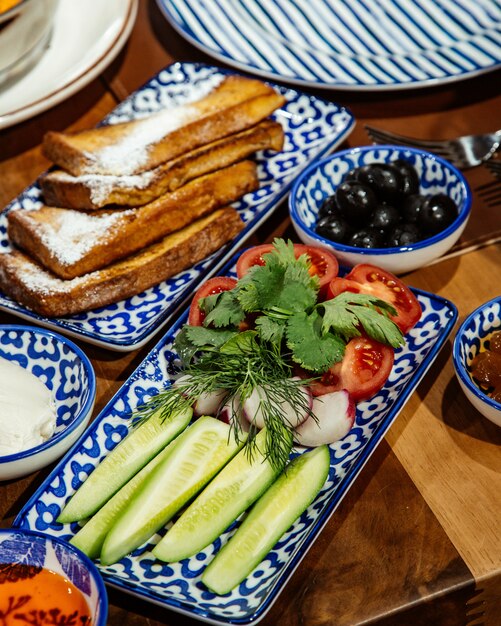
[(59, 364), (177, 585), (312, 128)]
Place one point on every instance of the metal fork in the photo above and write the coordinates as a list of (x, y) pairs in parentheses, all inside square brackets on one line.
[(494, 167), (463, 152), (491, 192)]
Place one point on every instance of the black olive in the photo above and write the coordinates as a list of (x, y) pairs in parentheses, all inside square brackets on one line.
[(353, 174), (334, 228), (384, 179), (411, 205), (410, 178), (367, 238), (437, 212), (356, 202), (328, 206), (403, 235), (384, 217)]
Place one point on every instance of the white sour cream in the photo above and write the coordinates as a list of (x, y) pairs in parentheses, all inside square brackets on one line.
[(27, 409)]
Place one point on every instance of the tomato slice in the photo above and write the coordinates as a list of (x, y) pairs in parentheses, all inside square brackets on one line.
[(383, 284), (211, 287), (339, 285), (363, 371), (323, 263)]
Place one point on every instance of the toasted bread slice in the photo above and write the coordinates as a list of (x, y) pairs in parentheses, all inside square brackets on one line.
[(72, 243), (23, 280), (93, 191), (136, 146)]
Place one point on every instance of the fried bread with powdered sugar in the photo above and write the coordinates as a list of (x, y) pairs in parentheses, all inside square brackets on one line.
[(94, 191), (70, 243), (28, 283), (128, 148)]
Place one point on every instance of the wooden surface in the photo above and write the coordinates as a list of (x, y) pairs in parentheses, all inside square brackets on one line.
[(417, 539)]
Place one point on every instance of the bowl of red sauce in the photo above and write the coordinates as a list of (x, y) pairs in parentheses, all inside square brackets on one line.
[(46, 580), (477, 359)]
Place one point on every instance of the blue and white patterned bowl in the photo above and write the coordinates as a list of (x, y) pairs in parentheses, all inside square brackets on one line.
[(472, 337), (321, 179), (28, 548), (69, 375)]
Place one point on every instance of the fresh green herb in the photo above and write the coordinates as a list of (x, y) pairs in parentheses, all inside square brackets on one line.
[(239, 366), (290, 327), (283, 295)]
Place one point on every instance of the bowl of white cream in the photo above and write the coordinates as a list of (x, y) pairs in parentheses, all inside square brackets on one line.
[(47, 393)]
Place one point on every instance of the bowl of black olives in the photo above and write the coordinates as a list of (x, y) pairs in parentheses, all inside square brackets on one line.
[(391, 206)]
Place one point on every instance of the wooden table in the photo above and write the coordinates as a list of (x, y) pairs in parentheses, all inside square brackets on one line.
[(416, 541)]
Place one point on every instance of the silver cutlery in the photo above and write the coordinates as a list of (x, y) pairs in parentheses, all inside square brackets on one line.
[(494, 167), (463, 152), (490, 193)]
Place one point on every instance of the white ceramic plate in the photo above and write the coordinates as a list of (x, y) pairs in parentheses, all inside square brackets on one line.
[(87, 36), (365, 45)]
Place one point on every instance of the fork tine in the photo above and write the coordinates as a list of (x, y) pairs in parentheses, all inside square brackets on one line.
[(490, 193), (494, 167), (380, 136)]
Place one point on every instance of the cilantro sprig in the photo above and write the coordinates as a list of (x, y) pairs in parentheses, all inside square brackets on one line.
[(289, 326), (281, 297)]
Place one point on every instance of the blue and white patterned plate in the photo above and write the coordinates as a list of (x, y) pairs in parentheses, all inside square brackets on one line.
[(177, 586), (313, 127), (346, 44)]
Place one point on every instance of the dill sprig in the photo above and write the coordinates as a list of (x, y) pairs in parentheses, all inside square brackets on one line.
[(239, 367), (291, 327)]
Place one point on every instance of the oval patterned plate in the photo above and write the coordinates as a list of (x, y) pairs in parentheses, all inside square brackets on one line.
[(312, 128), (177, 586)]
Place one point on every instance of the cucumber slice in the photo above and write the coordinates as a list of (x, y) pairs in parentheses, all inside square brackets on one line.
[(276, 510), (197, 455), (230, 493), (90, 538), (125, 460)]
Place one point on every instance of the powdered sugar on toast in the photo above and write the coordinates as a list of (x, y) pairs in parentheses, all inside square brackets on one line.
[(72, 233), (130, 153), (100, 186)]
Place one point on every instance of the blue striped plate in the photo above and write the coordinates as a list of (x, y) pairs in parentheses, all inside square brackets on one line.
[(347, 44)]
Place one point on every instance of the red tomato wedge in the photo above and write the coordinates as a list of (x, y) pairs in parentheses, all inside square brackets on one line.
[(323, 263), (211, 287), (364, 369), (372, 280)]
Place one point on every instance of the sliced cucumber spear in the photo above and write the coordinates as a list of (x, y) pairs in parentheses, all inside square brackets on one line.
[(197, 455), (230, 493), (125, 460), (275, 511), (90, 538)]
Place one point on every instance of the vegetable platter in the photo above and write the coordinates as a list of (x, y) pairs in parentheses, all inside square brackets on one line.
[(178, 585)]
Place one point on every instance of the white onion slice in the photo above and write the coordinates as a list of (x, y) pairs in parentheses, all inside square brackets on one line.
[(335, 413)]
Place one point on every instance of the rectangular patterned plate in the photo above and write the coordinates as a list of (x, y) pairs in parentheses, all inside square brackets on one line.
[(313, 127), (177, 586)]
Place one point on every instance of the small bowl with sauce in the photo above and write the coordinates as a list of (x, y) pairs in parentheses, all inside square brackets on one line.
[(47, 393), (477, 359), (41, 576)]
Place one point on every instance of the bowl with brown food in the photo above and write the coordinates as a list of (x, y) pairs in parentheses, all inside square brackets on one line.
[(477, 359)]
